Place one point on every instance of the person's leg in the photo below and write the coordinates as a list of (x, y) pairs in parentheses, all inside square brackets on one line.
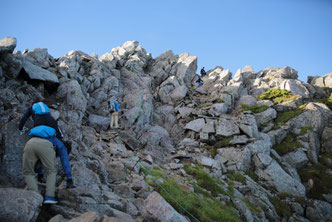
[(46, 154), (112, 121), (29, 161), (116, 119)]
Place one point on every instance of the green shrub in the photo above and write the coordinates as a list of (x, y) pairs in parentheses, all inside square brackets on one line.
[(322, 180), (255, 108), (253, 175), (223, 143), (204, 209), (237, 177), (218, 100), (278, 95), (203, 179), (281, 207), (283, 117), (289, 144), (305, 129), (157, 173)]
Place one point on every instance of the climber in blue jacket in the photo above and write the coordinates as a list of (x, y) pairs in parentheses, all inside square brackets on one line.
[(49, 133)]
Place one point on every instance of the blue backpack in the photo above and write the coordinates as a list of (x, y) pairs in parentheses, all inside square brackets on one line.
[(42, 131), (40, 108)]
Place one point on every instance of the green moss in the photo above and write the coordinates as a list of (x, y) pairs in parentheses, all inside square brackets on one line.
[(218, 100), (305, 129), (300, 200), (203, 179), (251, 207), (230, 188), (237, 177), (144, 171), (283, 117), (223, 143), (322, 180), (278, 95), (255, 108), (281, 207), (157, 173), (204, 209), (253, 175), (284, 195), (199, 190), (150, 181), (289, 144), (207, 104)]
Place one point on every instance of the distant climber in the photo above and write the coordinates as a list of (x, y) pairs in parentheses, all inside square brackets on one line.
[(114, 110), (203, 73)]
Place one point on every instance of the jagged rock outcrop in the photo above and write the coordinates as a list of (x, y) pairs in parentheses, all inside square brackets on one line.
[(200, 137), (19, 205)]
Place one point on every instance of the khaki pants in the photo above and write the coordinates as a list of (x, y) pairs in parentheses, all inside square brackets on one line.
[(114, 120), (39, 149)]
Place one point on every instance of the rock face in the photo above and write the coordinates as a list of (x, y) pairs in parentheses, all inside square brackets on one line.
[(157, 209), (19, 205), (169, 128)]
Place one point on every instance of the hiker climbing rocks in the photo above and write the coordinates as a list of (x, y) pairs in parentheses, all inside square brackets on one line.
[(40, 149), (41, 116), (114, 110), (199, 81), (42, 121), (203, 73)]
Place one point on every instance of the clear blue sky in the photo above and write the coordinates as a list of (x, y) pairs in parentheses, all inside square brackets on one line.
[(229, 33)]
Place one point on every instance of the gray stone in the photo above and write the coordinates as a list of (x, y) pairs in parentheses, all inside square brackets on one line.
[(218, 109), (297, 159), (184, 111), (35, 72), (209, 126), (244, 210), (19, 205), (242, 157), (296, 87), (265, 116), (275, 176), (7, 45), (239, 140), (319, 211), (206, 161), (226, 128), (179, 93), (186, 68), (99, 122), (158, 210), (195, 125), (262, 160), (247, 123)]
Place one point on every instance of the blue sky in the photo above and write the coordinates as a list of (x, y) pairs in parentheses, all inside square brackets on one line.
[(228, 33)]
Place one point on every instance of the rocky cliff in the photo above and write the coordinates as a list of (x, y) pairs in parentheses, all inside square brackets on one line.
[(240, 147)]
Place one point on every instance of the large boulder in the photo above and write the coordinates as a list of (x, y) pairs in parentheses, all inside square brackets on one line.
[(297, 159), (296, 87), (226, 128), (265, 116), (195, 125), (37, 73), (12, 151), (285, 73), (19, 205), (247, 123), (185, 68), (99, 122), (7, 45), (274, 176), (241, 157), (158, 210)]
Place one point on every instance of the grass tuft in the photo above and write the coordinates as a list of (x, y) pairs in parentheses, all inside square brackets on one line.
[(289, 144), (204, 209), (278, 95), (255, 108), (281, 207)]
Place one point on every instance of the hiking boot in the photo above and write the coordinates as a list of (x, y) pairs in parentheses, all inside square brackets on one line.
[(50, 200)]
